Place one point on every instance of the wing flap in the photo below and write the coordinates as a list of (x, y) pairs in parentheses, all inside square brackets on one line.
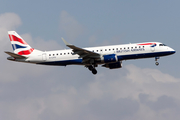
[(15, 55)]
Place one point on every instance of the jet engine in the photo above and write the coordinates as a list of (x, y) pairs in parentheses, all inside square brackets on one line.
[(113, 65), (111, 58)]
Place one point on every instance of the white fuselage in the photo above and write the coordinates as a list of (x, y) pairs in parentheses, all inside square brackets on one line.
[(123, 52)]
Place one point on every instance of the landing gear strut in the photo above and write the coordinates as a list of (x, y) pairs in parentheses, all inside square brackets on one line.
[(157, 63), (92, 68)]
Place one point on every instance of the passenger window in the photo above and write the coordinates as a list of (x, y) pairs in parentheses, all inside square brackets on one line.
[(97, 50), (139, 46), (49, 54), (143, 46), (116, 48), (128, 48), (68, 53), (113, 48), (135, 47), (60, 53), (57, 54), (53, 54), (131, 47), (124, 48), (105, 49), (109, 49), (64, 53), (120, 48)]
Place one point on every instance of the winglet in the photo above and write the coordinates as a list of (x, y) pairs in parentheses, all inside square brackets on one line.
[(65, 42)]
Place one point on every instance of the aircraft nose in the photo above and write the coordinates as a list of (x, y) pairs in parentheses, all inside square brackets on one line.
[(172, 51)]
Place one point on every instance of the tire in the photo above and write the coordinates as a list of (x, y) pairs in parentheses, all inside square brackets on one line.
[(90, 68), (157, 63), (94, 71)]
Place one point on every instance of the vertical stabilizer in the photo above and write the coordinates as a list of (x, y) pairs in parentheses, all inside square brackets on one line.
[(19, 46)]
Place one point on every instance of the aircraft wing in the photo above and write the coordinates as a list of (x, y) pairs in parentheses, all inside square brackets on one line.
[(83, 53), (15, 55)]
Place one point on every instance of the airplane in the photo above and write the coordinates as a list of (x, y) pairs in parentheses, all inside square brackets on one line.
[(108, 56)]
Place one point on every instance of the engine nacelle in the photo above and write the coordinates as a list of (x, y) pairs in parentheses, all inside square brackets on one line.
[(109, 58), (113, 65)]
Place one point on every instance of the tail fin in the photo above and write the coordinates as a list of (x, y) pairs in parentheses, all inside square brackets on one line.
[(19, 46)]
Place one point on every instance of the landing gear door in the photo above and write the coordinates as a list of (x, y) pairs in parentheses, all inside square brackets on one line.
[(44, 58)]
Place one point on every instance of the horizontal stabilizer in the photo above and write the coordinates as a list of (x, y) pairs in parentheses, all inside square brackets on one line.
[(15, 55)]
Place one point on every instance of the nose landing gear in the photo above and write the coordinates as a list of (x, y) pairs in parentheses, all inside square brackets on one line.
[(156, 59)]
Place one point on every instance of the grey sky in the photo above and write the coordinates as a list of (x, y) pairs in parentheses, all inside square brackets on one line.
[(138, 91)]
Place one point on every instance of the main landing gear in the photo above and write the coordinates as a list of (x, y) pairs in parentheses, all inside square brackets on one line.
[(157, 63), (92, 69)]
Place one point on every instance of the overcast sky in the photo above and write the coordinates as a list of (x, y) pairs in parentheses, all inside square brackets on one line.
[(138, 91)]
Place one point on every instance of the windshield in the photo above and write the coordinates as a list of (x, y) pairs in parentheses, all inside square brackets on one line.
[(162, 45)]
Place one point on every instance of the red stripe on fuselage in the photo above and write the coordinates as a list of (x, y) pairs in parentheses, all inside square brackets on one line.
[(147, 44), (14, 38), (26, 52)]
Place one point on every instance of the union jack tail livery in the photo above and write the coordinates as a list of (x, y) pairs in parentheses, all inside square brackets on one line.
[(19, 46)]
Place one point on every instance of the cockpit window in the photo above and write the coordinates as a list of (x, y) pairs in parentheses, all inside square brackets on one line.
[(162, 45)]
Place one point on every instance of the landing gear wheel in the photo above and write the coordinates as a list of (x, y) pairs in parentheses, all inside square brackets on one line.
[(90, 68), (157, 63), (94, 71)]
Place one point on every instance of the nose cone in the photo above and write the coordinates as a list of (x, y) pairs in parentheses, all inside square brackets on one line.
[(172, 51)]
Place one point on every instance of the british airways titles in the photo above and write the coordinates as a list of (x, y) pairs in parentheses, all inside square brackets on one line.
[(132, 50)]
